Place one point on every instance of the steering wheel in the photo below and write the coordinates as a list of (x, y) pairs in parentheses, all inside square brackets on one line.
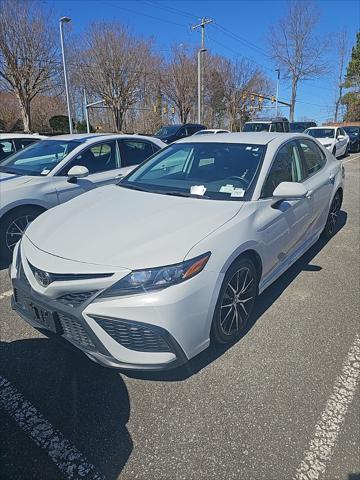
[(235, 177)]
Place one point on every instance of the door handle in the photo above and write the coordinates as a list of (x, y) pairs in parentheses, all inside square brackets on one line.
[(332, 177), (119, 176), (309, 194)]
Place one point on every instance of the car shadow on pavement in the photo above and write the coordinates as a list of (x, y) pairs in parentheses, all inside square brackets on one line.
[(265, 300), (87, 403)]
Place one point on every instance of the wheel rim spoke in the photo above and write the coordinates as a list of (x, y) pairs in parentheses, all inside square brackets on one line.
[(16, 230)]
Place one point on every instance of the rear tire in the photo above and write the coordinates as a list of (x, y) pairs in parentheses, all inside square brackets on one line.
[(12, 227), (331, 222), (235, 302)]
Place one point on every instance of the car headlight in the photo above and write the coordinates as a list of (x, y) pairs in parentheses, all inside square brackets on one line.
[(327, 145), (141, 281)]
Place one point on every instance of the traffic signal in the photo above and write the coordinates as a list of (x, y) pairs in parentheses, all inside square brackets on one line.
[(173, 110), (155, 108), (252, 98), (243, 96), (273, 99), (164, 109)]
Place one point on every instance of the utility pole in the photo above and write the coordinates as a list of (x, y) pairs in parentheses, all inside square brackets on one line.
[(277, 91), (61, 23), (202, 24)]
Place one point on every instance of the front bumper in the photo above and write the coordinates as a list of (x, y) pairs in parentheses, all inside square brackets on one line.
[(151, 331)]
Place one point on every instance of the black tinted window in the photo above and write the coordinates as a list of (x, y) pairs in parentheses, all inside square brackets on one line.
[(314, 158), (24, 142), (134, 152), (98, 158), (285, 168)]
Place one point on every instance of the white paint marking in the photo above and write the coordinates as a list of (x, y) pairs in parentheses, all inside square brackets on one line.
[(349, 159), (5, 294), (328, 428), (65, 455)]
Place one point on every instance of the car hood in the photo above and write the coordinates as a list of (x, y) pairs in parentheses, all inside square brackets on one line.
[(114, 226), (12, 180), (325, 141)]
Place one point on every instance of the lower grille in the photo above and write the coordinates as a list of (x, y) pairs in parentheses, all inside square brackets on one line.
[(133, 335), (75, 299), (75, 332)]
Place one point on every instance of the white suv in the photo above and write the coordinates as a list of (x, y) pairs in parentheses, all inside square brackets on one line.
[(60, 168)]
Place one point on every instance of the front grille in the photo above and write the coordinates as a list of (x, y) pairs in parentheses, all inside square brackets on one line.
[(75, 299), (133, 335), (75, 332)]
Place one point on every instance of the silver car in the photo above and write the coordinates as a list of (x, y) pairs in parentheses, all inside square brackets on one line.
[(57, 169), (173, 258)]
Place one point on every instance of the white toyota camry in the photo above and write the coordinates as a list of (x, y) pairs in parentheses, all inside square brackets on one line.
[(147, 273), (59, 168)]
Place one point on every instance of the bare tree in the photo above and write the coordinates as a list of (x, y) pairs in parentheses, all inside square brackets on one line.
[(27, 53), (294, 46), (240, 79), (342, 50), (180, 80), (112, 67)]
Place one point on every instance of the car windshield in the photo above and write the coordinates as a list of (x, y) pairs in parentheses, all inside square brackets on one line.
[(39, 158), (256, 127), (352, 130), (298, 127), (321, 132), (222, 171), (166, 131)]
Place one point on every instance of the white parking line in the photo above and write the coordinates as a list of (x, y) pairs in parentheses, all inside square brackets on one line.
[(5, 294), (349, 159), (65, 455), (328, 428)]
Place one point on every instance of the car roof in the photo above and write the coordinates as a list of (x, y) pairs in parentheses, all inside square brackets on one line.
[(256, 138), (5, 136), (90, 138), (323, 126)]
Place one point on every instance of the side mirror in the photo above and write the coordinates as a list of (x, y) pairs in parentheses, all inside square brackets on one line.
[(340, 137), (289, 191), (78, 171)]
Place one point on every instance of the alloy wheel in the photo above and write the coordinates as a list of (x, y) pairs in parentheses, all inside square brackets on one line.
[(16, 230), (237, 302), (333, 214)]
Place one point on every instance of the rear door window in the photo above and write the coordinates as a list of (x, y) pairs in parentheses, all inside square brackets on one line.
[(101, 157), (134, 152), (6, 148), (24, 142), (314, 158)]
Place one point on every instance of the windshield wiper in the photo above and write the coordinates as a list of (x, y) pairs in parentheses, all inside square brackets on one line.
[(8, 170), (134, 187), (175, 193)]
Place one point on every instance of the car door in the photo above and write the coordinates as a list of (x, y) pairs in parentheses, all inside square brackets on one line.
[(102, 161), (282, 225), (133, 152), (319, 178)]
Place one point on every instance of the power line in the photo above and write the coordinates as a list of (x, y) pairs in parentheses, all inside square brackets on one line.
[(171, 9), (242, 40)]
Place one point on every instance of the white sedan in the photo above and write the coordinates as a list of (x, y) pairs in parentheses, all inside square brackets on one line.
[(59, 168), (13, 142), (335, 139), (147, 273), (211, 130)]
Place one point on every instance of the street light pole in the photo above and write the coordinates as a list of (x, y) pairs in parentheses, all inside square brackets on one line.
[(277, 91), (201, 50), (61, 22)]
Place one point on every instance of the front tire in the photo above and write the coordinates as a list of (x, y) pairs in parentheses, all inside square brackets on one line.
[(331, 222), (235, 302), (12, 227)]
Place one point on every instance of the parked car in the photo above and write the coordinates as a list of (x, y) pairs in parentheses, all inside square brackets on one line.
[(211, 131), (171, 133), (300, 127), (59, 168), (354, 136), (147, 273), (277, 124), (13, 142), (334, 139)]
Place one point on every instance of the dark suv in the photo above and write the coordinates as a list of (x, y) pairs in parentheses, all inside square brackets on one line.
[(171, 133)]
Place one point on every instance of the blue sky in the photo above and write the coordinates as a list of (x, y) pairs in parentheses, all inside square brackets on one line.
[(168, 22)]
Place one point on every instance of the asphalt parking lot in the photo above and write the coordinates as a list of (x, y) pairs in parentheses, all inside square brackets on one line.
[(282, 403)]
